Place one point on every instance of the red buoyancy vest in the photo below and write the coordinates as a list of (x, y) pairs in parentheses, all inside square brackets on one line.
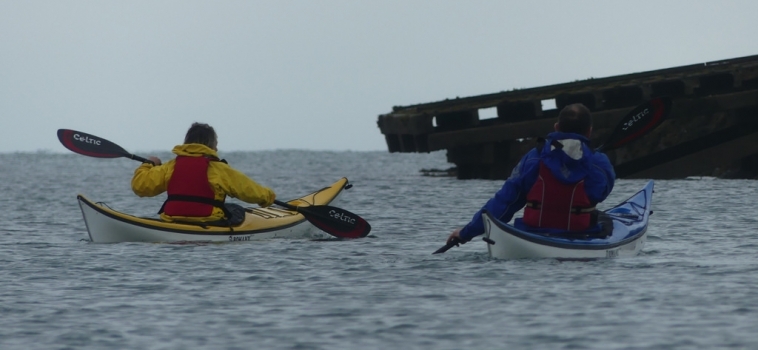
[(553, 204), (189, 192)]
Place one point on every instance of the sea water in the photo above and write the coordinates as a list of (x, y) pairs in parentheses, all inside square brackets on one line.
[(695, 284)]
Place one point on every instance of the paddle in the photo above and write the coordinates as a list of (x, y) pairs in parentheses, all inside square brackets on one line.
[(93, 146), (453, 243), (334, 221), (635, 124)]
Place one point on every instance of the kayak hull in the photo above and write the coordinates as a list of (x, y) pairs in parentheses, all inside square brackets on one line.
[(629, 218), (105, 225)]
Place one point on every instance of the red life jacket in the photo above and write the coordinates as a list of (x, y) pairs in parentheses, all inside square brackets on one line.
[(189, 192), (553, 204)]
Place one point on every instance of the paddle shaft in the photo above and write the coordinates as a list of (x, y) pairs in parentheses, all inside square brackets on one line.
[(140, 159)]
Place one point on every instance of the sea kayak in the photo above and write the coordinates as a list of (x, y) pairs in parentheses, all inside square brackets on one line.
[(106, 225), (624, 235)]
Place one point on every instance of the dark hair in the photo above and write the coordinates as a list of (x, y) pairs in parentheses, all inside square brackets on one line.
[(575, 118), (201, 133)]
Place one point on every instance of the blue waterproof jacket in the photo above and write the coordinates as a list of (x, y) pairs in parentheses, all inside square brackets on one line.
[(574, 162)]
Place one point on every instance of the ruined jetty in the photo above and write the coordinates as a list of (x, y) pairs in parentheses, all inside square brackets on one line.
[(712, 129)]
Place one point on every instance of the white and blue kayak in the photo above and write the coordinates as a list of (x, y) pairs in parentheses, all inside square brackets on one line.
[(628, 220)]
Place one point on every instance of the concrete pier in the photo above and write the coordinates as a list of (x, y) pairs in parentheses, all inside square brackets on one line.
[(712, 129)]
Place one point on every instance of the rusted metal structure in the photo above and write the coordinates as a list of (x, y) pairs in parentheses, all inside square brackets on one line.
[(712, 130)]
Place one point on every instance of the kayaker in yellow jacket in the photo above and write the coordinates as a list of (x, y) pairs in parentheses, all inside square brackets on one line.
[(197, 182)]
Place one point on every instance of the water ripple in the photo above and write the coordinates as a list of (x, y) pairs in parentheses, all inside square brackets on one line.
[(691, 287)]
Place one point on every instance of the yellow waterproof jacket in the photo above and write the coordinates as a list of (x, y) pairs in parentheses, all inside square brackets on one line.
[(150, 180)]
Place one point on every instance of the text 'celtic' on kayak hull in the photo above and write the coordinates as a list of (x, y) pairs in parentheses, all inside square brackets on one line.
[(629, 218), (105, 225)]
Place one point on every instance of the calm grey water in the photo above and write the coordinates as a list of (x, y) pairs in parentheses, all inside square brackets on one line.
[(693, 286)]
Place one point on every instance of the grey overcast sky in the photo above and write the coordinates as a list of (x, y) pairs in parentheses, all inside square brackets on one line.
[(316, 74)]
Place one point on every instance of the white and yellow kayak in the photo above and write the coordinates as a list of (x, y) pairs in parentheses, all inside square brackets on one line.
[(105, 225)]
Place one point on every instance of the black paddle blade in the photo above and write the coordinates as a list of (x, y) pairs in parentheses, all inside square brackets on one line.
[(445, 248), (90, 145), (638, 122), (93, 146), (335, 221)]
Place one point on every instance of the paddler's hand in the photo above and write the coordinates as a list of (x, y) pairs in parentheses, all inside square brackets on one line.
[(155, 160), (455, 236)]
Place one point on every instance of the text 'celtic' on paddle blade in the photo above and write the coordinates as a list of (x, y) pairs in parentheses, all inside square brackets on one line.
[(335, 221), (638, 122), (90, 145)]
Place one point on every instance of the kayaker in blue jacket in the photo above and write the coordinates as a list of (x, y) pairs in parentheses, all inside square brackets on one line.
[(559, 182)]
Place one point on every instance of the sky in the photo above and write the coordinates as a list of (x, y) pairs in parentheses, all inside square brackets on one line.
[(316, 74)]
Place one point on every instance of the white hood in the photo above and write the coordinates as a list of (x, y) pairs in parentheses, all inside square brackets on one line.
[(572, 148)]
